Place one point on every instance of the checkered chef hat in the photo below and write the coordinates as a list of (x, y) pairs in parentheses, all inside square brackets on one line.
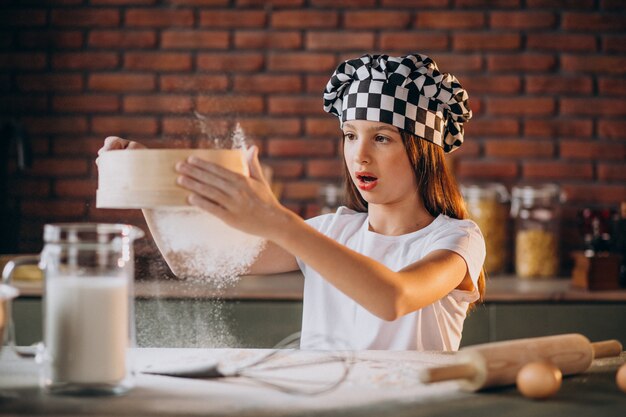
[(408, 92)]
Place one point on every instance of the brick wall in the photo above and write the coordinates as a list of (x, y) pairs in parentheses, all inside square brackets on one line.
[(545, 77)]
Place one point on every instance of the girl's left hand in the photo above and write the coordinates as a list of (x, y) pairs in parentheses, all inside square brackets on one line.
[(245, 203)]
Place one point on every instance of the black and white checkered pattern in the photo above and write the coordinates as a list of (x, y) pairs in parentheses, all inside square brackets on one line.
[(407, 92)]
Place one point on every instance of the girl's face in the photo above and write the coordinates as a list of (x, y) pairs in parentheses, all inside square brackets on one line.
[(378, 162)]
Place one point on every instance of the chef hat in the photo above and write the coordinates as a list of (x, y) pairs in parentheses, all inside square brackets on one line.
[(408, 92)]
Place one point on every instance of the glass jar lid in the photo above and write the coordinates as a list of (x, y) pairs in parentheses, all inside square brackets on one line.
[(490, 190)]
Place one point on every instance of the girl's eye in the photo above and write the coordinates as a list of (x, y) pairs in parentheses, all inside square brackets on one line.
[(382, 139), (348, 136)]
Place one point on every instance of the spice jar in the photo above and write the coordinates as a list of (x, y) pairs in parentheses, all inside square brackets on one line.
[(536, 210), (488, 206)]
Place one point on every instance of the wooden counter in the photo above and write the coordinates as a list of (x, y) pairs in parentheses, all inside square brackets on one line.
[(380, 383)]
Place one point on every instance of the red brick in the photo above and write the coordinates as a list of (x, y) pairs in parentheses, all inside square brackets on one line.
[(479, 169), (49, 82), (316, 83), (487, 3), (294, 105), (301, 190), (268, 40), (522, 20), (455, 63), (162, 103), (561, 42), (180, 126), (233, 18), (324, 168), (558, 128), (339, 41), (121, 82), (518, 149), (527, 62), (75, 188), (578, 149), (159, 18), (593, 22), (123, 2), (520, 106), (268, 83), (612, 129), (120, 125), (155, 61), (85, 103), (594, 193), (266, 126), (48, 167), (435, 41), (24, 60), (614, 43), (304, 19), (555, 170), (327, 126), (449, 20), (83, 146), (53, 209), (122, 39), (300, 147), (52, 125), (484, 41), (612, 86), (194, 39), (561, 4), (491, 84), (558, 84), (20, 104), (340, 4), (231, 62), (117, 216), (376, 19), (594, 64), (23, 17), (193, 83), (29, 187), (286, 169), (68, 39), (592, 106), (86, 17), (417, 3), (307, 62), (492, 127), (272, 3), (611, 172), (230, 104), (85, 60)]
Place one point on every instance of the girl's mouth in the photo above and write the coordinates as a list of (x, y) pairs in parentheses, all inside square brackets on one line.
[(366, 181)]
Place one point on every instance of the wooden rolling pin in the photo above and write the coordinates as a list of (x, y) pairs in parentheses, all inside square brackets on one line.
[(497, 364)]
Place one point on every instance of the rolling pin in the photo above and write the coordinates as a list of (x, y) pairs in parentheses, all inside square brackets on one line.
[(497, 364)]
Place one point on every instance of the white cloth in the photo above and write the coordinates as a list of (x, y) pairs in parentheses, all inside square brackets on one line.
[(332, 320)]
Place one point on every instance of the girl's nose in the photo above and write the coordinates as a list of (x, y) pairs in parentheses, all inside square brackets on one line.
[(362, 154)]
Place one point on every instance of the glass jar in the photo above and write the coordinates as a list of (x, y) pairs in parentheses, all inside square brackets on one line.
[(488, 206), (330, 198), (536, 210)]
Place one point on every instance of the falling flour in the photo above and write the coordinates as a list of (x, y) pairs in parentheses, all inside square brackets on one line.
[(199, 246)]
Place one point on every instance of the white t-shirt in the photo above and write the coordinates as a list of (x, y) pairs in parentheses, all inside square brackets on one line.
[(332, 320)]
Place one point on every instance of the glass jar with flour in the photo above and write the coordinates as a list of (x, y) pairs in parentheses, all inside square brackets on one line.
[(88, 307), (536, 210)]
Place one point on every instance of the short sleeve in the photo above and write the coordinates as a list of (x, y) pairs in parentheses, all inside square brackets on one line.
[(462, 237)]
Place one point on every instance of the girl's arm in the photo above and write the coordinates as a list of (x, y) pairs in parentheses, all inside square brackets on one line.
[(248, 204)]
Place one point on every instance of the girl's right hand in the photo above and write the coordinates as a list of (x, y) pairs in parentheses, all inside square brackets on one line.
[(113, 142)]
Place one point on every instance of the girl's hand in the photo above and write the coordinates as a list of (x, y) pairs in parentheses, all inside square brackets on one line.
[(245, 203), (112, 143)]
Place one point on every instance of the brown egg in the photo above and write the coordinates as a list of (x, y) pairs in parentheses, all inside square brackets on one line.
[(539, 380), (620, 378)]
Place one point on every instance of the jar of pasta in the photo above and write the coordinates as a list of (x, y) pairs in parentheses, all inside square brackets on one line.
[(488, 206), (536, 210)]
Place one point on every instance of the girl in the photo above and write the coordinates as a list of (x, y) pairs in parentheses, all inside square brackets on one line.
[(398, 267)]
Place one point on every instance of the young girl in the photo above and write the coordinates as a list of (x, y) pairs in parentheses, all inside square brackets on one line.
[(398, 267)]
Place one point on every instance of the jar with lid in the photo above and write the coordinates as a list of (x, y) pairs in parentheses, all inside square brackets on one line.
[(330, 198), (488, 206), (536, 210)]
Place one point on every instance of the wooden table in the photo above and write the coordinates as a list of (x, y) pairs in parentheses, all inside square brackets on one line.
[(380, 383)]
